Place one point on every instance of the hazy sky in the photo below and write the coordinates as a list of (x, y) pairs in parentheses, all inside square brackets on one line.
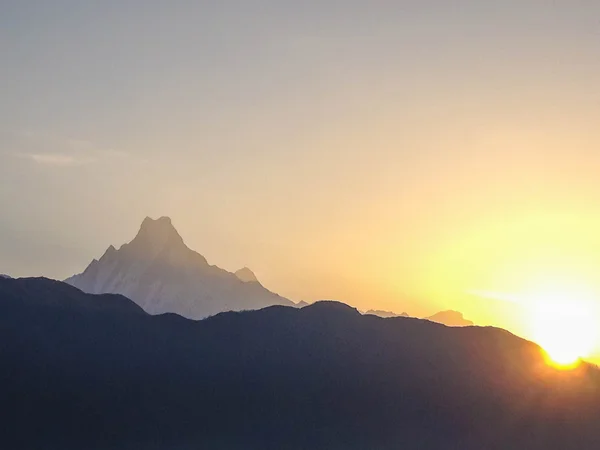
[(377, 152)]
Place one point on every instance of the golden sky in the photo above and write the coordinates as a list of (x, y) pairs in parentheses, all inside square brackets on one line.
[(393, 155)]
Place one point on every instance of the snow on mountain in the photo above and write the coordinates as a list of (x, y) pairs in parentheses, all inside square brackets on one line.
[(161, 274)]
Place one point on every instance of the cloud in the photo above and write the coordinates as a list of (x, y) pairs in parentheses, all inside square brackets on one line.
[(58, 160), (52, 150)]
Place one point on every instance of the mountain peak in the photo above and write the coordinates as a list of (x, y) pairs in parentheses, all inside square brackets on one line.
[(161, 274), (163, 222), (110, 251), (246, 275), (157, 234), (331, 307)]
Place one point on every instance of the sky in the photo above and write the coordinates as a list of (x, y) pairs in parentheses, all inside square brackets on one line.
[(398, 155)]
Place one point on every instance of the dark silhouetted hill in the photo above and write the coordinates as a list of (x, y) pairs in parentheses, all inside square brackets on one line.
[(320, 377), (44, 292)]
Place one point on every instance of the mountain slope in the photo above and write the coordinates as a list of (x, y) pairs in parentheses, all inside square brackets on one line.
[(161, 274), (44, 292), (246, 275), (320, 377)]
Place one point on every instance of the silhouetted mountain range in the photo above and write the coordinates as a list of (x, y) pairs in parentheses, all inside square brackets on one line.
[(107, 376), (448, 318), (161, 274), (385, 314)]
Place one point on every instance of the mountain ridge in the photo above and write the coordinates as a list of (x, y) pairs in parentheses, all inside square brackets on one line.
[(161, 274), (385, 314), (41, 291), (450, 318), (321, 377), (246, 275)]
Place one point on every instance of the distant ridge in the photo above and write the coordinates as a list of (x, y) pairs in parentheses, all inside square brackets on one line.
[(450, 318), (385, 314), (162, 275), (246, 275)]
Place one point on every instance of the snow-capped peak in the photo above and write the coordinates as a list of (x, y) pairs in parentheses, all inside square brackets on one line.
[(161, 274), (155, 235)]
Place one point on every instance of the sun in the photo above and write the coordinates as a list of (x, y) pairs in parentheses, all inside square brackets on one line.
[(563, 323)]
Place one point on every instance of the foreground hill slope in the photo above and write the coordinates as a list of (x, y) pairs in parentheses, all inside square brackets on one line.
[(43, 292), (320, 377), (161, 274)]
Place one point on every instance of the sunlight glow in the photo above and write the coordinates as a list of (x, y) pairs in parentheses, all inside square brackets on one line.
[(563, 323)]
